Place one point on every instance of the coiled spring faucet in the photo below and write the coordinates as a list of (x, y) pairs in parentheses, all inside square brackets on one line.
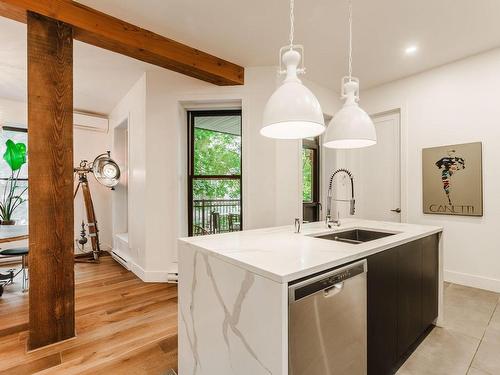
[(328, 218)]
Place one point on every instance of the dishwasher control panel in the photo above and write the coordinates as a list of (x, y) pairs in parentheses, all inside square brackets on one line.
[(324, 281)]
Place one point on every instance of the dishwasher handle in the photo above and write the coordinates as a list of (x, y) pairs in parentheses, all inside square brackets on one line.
[(330, 283), (333, 290)]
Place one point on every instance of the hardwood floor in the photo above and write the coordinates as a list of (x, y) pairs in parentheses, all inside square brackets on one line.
[(123, 326)]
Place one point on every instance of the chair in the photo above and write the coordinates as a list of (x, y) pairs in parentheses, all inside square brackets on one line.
[(6, 279), (198, 230), (214, 222), (234, 222), (23, 253)]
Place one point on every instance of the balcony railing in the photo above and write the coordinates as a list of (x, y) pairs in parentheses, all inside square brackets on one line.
[(216, 216)]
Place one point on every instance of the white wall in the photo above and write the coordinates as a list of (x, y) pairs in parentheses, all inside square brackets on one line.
[(87, 144), (271, 169), (13, 113), (133, 108), (456, 103)]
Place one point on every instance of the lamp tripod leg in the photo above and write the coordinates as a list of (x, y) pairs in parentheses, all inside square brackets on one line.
[(91, 219)]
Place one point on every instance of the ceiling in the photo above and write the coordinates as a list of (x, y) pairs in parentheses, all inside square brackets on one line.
[(250, 33), (220, 124), (101, 78)]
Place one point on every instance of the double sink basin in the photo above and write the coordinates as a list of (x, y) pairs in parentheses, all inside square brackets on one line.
[(354, 236)]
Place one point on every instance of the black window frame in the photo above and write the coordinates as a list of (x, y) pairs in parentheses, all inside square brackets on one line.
[(191, 116), (314, 145)]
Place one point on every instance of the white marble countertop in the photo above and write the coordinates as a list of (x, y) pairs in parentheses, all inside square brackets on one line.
[(281, 255)]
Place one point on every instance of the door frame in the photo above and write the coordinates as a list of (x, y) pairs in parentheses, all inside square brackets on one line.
[(324, 172), (317, 180)]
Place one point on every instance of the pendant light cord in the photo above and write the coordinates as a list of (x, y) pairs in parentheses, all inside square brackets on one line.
[(292, 19), (350, 40)]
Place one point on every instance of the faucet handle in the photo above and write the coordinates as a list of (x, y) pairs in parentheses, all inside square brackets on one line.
[(297, 225)]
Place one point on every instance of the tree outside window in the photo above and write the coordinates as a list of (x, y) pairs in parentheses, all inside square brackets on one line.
[(214, 171)]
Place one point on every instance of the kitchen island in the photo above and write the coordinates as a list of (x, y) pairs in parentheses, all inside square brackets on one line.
[(233, 292)]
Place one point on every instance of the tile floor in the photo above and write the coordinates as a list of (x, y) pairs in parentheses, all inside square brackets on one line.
[(469, 342)]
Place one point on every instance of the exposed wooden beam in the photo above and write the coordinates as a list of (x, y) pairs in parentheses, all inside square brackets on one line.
[(102, 30), (50, 150), (9, 11)]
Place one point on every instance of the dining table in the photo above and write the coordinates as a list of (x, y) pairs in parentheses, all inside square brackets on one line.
[(9, 233)]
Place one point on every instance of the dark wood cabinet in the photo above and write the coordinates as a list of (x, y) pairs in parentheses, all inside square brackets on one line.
[(430, 279), (382, 312), (409, 293), (402, 301)]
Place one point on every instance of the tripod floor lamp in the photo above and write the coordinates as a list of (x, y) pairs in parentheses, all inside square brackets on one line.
[(107, 173)]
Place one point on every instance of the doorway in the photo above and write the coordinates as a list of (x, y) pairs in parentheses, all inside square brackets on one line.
[(121, 251), (310, 179)]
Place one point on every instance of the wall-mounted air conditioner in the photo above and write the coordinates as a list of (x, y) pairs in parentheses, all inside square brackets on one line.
[(90, 122)]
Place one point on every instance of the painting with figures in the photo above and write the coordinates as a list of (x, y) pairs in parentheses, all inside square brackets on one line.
[(452, 180)]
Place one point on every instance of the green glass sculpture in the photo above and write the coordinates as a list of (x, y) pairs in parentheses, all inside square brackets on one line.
[(15, 154), (15, 157)]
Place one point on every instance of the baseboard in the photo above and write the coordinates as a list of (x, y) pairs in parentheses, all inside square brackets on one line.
[(144, 275), (149, 276), (474, 281)]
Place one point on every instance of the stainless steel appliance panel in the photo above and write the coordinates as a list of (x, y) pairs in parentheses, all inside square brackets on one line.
[(327, 323)]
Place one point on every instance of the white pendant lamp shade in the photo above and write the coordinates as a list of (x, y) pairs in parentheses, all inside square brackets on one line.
[(292, 112), (351, 127)]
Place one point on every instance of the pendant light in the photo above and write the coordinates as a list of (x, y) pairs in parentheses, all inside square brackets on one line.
[(351, 127), (292, 111)]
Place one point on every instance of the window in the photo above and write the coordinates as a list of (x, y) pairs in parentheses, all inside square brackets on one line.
[(17, 135), (310, 179), (214, 144)]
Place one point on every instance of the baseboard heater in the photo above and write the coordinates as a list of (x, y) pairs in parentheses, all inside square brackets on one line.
[(120, 260)]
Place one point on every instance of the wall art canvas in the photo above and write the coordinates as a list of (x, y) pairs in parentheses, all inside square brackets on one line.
[(453, 180)]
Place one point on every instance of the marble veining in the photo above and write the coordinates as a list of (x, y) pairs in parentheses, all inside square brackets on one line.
[(231, 318), (193, 342)]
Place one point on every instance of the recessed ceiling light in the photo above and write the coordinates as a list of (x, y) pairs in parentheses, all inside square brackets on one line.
[(411, 50)]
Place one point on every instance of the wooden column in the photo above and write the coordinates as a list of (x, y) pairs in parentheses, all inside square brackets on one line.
[(50, 153)]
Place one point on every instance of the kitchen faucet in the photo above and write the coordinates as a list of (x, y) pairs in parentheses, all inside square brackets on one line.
[(328, 218)]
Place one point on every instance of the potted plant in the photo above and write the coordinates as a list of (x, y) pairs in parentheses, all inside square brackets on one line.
[(15, 156)]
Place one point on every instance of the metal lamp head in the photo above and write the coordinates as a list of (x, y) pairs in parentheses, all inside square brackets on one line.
[(105, 170), (351, 127)]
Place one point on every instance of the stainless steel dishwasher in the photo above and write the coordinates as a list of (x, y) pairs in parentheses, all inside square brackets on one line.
[(327, 323)]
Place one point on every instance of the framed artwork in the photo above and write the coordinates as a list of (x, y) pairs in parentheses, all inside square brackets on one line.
[(453, 180)]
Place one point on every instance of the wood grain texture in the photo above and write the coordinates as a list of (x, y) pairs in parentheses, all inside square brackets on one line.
[(105, 31), (50, 151), (123, 325), (12, 12)]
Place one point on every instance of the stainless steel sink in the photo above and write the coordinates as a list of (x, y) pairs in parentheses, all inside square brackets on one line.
[(355, 236)]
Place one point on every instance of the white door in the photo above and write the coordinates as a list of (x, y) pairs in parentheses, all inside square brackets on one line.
[(377, 172), (381, 172)]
